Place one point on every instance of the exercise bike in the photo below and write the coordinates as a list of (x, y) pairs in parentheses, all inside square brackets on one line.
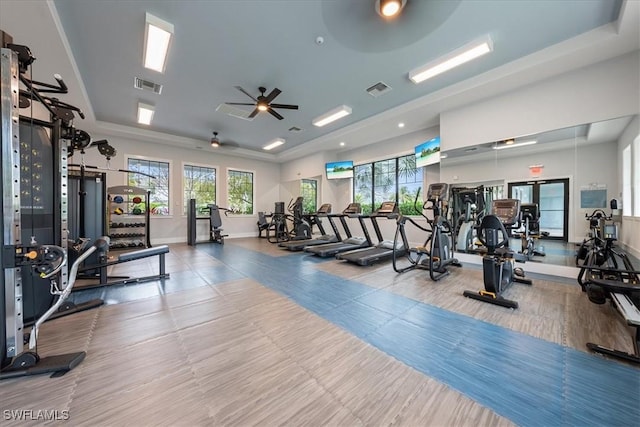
[(497, 265), (608, 274), (530, 218), (436, 253)]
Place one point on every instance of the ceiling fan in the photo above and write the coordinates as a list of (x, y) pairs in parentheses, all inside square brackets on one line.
[(216, 143), (264, 103)]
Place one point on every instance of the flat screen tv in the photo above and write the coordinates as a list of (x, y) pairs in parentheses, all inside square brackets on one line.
[(428, 152), (339, 170)]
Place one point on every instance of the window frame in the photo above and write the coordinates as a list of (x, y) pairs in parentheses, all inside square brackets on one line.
[(315, 193), (253, 190), (129, 157)]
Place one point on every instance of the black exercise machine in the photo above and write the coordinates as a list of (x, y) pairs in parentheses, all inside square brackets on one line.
[(468, 210), (596, 241), (436, 253), (497, 264), (384, 248), (530, 219), (278, 229), (330, 249), (215, 223), (608, 274), (316, 218)]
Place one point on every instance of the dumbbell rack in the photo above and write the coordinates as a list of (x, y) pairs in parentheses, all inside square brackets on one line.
[(128, 221)]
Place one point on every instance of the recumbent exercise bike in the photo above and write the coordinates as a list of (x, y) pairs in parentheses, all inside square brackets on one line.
[(497, 265)]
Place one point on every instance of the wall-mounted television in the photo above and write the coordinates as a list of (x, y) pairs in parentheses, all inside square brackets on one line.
[(428, 152), (339, 170)]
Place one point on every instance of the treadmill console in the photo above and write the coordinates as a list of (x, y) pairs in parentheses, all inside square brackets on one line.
[(324, 209), (387, 208), (353, 208)]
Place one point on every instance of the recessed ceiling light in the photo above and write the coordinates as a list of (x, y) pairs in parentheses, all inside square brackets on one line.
[(273, 144), (157, 37), (341, 143), (332, 115), (401, 125), (145, 113), (451, 60), (389, 8)]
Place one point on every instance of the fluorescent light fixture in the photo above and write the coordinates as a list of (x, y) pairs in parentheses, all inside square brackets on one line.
[(157, 37), (451, 60), (331, 116), (513, 145), (275, 143), (145, 113)]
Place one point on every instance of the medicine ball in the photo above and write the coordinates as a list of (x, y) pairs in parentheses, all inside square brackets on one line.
[(137, 199), (137, 211), (118, 211), (118, 199)]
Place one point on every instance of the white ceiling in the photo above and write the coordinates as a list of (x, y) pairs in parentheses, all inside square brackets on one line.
[(252, 43)]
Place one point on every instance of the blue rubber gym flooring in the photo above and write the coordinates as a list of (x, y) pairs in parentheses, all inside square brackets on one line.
[(530, 381)]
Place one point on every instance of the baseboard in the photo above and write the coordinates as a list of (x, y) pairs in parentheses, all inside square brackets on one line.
[(170, 240)]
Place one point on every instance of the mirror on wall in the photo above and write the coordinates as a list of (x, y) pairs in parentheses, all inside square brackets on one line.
[(559, 176)]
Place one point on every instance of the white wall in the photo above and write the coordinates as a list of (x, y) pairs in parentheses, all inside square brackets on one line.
[(174, 228), (630, 227), (598, 92)]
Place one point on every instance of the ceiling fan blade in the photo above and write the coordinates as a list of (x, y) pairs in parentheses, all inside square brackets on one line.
[(286, 106), (275, 114), (240, 103), (275, 92), (246, 93), (254, 113)]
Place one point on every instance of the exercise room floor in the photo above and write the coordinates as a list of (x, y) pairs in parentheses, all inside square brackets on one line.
[(249, 334)]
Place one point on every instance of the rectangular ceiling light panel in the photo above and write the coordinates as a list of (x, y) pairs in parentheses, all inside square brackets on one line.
[(145, 113), (451, 60), (157, 37), (332, 116), (275, 143), (513, 145)]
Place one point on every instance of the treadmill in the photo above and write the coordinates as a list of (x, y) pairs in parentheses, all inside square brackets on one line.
[(350, 243), (323, 212), (384, 249)]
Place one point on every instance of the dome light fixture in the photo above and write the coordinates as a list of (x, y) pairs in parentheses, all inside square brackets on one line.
[(389, 8)]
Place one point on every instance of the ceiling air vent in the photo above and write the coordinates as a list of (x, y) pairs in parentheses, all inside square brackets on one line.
[(230, 110), (378, 89), (295, 129), (142, 84)]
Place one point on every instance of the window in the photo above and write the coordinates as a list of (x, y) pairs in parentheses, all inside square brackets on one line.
[(240, 191), (309, 193), (363, 186), (154, 177), (199, 182), (410, 180), (627, 201), (388, 180)]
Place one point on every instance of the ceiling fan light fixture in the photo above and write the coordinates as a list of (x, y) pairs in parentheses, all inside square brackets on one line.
[(215, 142), (332, 115), (262, 106), (389, 8), (273, 144), (157, 38), (145, 113), (451, 60)]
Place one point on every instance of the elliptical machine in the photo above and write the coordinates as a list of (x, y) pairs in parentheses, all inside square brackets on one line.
[(469, 207), (595, 243), (436, 254), (497, 265), (301, 228)]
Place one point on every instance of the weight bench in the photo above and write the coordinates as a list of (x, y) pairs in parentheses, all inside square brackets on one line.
[(158, 251), (621, 294)]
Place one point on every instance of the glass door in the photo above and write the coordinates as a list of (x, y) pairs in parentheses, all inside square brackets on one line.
[(552, 198)]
